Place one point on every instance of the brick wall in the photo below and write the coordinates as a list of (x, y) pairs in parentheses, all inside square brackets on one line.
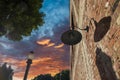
[(97, 56)]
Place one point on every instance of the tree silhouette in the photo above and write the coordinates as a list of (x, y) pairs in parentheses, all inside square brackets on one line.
[(64, 75), (19, 17), (44, 77), (6, 73)]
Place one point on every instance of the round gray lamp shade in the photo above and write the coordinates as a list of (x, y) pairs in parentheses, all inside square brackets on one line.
[(71, 37)]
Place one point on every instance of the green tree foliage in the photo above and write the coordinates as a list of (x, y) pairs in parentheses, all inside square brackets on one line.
[(64, 75), (19, 17), (44, 77)]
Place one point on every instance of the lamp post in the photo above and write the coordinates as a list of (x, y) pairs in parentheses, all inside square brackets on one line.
[(60, 73), (29, 62)]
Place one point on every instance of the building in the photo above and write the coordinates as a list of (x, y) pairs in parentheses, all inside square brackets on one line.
[(97, 56)]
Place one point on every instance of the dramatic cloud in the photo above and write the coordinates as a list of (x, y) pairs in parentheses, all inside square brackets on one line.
[(51, 55), (41, 65), (59, 46), (51, 44), (44, 42)]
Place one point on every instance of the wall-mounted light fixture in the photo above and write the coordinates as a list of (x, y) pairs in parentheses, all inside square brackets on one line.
[(72, 37)]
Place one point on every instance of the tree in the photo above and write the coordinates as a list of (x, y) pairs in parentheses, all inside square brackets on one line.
[(6, 73), (64, 75), (44, 77), (19, 17)]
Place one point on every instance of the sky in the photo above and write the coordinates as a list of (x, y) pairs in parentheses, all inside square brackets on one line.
[(51, 55)]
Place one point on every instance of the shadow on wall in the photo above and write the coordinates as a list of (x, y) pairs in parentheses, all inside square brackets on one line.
[(102, 28), (115, 5), (104, 65)]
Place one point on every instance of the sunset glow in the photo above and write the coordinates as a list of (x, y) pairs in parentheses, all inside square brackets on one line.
[(44, 42), (51, 55), (59, 46)]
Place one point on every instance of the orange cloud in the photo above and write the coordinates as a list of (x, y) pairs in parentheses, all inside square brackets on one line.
[(46, 43), (50, 44), (44, 65), (43, 68), (40, 60), (40, 65), (43, 42), (59, 46)]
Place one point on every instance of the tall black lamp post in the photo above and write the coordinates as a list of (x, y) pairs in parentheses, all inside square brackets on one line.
[(29, 62)]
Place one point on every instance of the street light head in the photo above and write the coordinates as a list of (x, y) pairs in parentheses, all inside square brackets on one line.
[(31, 52), (31, 55)]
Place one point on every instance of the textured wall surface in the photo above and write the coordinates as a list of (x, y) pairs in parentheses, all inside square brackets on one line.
[(97, 56)]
